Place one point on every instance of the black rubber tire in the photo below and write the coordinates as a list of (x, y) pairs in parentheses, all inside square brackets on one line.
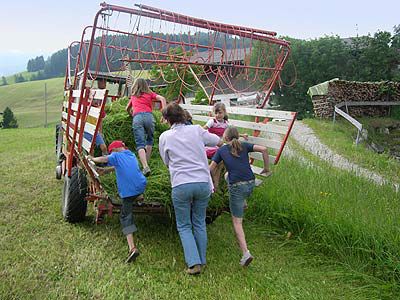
[(73, 203)]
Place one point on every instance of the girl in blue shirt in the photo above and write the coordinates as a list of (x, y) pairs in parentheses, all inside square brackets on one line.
[(241, 180)]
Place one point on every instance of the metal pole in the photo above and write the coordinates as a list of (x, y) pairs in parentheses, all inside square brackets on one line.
[(45, 105), (334, 115)]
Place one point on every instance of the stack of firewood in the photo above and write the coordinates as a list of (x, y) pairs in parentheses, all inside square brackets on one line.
[(344, 91)]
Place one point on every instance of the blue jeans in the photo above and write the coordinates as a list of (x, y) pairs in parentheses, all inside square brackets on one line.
[(238, 192), (143, 129), (126, 216), (190, 203)]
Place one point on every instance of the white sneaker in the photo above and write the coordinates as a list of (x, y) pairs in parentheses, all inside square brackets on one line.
[(246, 259)]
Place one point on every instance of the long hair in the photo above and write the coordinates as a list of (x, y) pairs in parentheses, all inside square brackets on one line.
[(231, 136), (140, 87), (219, 106)]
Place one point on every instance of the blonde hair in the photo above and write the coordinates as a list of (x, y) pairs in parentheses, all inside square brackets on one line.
[(231, 136), (140, 87), (220, 107)]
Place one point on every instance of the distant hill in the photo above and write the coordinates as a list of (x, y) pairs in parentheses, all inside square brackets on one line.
[(26, 100)]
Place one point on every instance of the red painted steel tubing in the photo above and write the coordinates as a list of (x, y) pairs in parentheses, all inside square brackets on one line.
[(235, 27)]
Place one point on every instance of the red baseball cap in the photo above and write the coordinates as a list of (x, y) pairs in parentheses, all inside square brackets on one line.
[(115, 144)]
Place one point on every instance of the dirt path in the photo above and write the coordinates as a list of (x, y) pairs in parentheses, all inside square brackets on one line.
[(306, 137)]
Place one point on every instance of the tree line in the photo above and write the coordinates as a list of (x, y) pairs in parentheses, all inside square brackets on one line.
[(55, 65), (366, 58)]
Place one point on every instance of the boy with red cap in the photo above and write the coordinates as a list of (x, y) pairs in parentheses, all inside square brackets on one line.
[(131, 183)]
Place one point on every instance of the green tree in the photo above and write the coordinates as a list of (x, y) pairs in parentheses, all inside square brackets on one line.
[(9, 121), (310, 62), (19, 78), (367, 58), (373, 58), (4, 80)]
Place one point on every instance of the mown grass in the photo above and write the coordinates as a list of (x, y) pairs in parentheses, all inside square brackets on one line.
[(43, 257), (340, 137)]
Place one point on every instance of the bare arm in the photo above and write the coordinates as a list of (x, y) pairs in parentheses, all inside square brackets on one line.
[(162, 151), (213, 167), (214, 174), (162, 100), (105, 170), (99, 160), (264, 151), (244, 135), (128, 108)]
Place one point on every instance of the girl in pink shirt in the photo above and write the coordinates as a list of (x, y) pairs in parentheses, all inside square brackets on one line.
[(140, 107), (217, 125)]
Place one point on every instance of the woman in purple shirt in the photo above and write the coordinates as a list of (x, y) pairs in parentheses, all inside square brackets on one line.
[(182, 150)]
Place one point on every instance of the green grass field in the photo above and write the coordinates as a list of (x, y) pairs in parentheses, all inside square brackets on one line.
[(43, 257), (26, 100)]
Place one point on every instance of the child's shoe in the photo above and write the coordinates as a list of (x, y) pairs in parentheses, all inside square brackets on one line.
[(246, 259), (132, 255), (195, 270), (146, 171)]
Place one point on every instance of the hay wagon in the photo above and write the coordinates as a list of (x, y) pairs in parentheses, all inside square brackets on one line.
[(205, 57)]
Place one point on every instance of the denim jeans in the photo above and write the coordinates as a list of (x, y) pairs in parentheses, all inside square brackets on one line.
[(238, 192), (126, 216), (190, 203), (143, 129)]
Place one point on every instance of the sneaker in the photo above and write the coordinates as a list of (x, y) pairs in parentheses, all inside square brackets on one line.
[(195, 270), (146, 171), (132, 255), (246, 259)]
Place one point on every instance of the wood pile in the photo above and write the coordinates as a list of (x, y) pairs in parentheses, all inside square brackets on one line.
[(341, 91)]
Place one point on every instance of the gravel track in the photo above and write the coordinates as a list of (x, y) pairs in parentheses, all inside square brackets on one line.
[(307, 139)]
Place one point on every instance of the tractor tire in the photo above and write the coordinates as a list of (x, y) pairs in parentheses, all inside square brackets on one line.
[(73, 203)]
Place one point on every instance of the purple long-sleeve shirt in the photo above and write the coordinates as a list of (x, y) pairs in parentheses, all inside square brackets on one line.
[(182, 150)]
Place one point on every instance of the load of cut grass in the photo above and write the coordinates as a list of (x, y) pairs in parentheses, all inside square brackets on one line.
[(117, 125)]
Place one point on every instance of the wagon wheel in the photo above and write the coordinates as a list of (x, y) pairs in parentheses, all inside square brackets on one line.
[(73, 203)]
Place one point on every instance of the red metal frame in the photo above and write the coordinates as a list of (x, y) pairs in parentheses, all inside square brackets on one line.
[(155, 13), (73, 155), (294, 114)]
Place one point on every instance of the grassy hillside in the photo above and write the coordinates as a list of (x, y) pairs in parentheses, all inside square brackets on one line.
[(43, 257), (26, 100)]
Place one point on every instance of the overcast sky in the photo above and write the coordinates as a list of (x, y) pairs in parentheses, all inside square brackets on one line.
[(38, 27)]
